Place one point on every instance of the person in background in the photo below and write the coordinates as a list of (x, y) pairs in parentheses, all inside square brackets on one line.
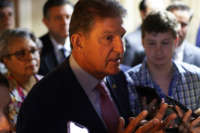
[(134, 51), (56, 45), (5, 126), (198, 37), (19, 51), (180, 81), (185, 51), (6, 15), (76, 90), (6, 22)]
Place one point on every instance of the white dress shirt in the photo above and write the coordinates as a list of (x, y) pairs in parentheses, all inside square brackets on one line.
[(58, 47)]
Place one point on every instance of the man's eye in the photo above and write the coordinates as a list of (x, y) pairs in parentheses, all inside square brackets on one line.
[(10, 14), (165, 43), (110, 38), (20, 53), (67, 16), (58, 18), (151, 44), (184, 24), (33, 50)]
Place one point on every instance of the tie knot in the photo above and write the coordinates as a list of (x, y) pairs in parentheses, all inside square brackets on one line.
[(102, 89), (62, 54), (63, 50)]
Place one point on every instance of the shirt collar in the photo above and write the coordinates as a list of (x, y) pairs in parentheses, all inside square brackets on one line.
[(176, 66), (58, 46), (86, 80)]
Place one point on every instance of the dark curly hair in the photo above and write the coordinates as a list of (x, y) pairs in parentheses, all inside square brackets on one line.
[(159, 22)]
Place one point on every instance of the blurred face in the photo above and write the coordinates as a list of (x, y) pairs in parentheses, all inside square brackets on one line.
[(4, 97), (159, 48), (24, 57), (102, 48), (58, 20), (4, 124), (183, 17), (6, 18), (4, 101)]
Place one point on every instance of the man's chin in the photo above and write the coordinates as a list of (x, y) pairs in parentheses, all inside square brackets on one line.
[(65, 35), (114, 71)]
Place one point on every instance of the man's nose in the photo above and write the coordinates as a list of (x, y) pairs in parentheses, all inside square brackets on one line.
[(158, 46), (119, 46), (65, 20), (29, 55)]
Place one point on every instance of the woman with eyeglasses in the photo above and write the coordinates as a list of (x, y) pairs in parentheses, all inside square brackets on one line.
[(20, 53)]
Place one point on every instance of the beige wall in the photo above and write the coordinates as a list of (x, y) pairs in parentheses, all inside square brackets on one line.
[(30, 16), (37, 24)]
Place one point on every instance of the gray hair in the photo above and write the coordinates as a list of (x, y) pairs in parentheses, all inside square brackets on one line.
[(9, 34)]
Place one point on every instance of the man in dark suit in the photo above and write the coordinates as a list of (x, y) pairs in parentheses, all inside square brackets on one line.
[(56, 45), (69, 93), (185, 51)]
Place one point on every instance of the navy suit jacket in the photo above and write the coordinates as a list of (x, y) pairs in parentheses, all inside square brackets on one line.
[(48, 60), (59, 98), (191, 54)]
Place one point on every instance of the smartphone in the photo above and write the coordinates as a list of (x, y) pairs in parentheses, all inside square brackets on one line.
[(183, 107), (73, 127), (150, 94)]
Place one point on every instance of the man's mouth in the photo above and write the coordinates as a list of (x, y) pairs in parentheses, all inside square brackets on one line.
[(117, 60)]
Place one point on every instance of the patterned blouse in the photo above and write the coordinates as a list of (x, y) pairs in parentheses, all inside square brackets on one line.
[(17, 94)]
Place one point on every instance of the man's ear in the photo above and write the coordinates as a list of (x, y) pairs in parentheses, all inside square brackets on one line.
[(143, 42), (142, 14), (45, 21), (76, 40)]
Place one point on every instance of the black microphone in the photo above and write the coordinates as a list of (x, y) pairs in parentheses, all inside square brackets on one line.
[(183, 107)]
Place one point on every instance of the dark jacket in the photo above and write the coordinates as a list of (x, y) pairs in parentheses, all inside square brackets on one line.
[(48, 60), (59, 98)]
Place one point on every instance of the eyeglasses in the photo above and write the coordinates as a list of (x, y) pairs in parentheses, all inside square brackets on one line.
[(21, 54)]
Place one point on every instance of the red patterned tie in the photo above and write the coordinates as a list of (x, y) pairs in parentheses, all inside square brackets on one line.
[(109, 112)]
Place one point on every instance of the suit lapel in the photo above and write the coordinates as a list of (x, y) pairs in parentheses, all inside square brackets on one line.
[(119, 91), (187, 55), (50, 57), (51, 60), (84, 111)]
